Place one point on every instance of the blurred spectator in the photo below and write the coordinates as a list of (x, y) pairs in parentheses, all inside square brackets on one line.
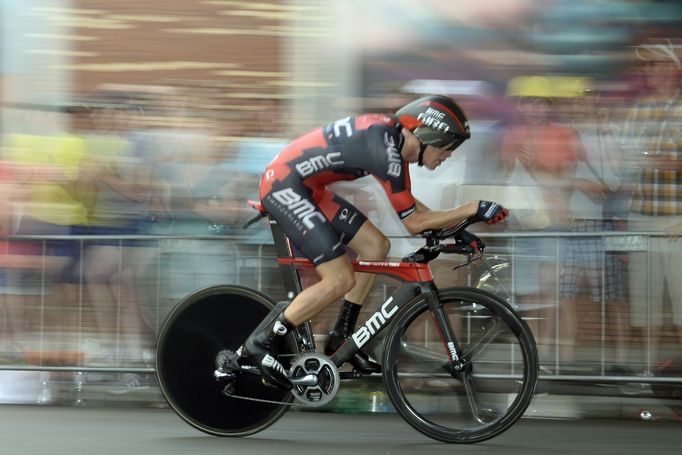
[(117, 186), (16, 258), (653, 135), (203, 204), (598, 181), (199, 192), (263, 138), (51, 164), (540, 157)]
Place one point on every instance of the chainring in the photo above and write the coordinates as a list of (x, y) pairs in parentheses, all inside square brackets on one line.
[(328, 379)]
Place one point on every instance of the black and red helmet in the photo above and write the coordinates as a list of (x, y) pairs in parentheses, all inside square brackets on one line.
[(435, 120)]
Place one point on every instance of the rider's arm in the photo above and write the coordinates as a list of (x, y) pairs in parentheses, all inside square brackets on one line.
[(473, 211), (420, 205), (394, 175), (423, 218)]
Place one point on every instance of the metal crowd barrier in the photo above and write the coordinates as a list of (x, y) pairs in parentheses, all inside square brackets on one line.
[(253, 265)]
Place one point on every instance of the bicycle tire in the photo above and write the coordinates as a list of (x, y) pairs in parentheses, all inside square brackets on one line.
[(433, 399), (197, 328)]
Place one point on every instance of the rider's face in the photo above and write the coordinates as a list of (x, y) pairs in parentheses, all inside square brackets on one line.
[(433, 156)]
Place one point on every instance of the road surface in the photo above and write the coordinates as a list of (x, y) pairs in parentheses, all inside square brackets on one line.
[(107, 431)]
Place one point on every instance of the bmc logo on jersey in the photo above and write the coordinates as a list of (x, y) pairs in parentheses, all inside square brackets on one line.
[(318, 163), (303, 209), (394, 160), (433, 118)]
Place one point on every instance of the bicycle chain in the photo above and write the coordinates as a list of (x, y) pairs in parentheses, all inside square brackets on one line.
[(262, 400)]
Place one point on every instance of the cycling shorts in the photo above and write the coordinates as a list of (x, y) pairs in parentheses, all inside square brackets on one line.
[(319, 223)]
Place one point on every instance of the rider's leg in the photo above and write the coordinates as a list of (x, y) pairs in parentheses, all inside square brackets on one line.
[(336, 278), (371, 245)]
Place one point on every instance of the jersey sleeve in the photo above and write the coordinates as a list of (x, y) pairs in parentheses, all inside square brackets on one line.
[(390, 169)]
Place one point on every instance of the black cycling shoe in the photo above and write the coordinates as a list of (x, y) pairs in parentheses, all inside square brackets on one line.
[(343, 329), (360, 360), (260, 348)]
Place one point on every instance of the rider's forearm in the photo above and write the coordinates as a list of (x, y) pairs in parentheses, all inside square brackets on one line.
[(421, 220), (420, 206)]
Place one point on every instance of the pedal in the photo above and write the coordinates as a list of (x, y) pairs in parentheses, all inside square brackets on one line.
[(354, 374), (224, 376), (227, 364)]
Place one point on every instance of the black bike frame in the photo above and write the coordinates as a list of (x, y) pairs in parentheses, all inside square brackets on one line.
[(416, 280)]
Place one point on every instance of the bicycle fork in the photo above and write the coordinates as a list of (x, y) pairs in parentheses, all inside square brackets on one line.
[(456, 362), (459, 366)]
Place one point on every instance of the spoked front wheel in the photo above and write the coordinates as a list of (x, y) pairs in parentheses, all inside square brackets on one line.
[(195, 332), (496, 384)]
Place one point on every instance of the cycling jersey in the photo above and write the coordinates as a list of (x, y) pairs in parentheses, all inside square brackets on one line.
[(294, 186)]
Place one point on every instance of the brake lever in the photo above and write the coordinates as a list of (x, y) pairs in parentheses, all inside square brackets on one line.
[(458, 248), (468, 238), (470, 258)]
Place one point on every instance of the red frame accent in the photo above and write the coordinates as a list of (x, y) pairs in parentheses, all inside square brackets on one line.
[(256, 205), (411, 272)]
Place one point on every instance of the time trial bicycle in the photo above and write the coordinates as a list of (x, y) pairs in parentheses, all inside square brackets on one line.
[(459, 364)]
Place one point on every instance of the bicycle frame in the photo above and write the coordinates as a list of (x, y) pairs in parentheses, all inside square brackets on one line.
[(416, 280)]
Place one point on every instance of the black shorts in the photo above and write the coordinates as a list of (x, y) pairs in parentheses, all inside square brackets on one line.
[(319, 223)]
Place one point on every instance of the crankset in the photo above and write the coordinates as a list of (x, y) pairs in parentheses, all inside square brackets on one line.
[(315, 378), (326, 379)]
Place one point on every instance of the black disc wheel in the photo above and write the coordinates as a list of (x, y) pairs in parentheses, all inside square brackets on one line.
[(199, 327), (492, 390)]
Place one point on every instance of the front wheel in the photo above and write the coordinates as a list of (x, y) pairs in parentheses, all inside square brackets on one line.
[(500, 367), (197, 329)]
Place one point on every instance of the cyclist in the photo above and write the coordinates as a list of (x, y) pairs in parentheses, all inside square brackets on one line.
[(294, 191)]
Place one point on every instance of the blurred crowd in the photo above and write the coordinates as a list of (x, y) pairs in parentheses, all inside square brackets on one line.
[(127, 200), (121, 204), (586, 157)]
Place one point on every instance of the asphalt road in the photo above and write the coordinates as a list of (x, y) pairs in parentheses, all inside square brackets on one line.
[(107, 431)]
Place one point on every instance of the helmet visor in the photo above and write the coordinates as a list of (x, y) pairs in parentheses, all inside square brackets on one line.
[(443, 141), (447, 143), (454, 142)]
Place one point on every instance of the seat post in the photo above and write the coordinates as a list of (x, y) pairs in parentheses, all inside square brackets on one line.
[(292, 281), (281, 241)]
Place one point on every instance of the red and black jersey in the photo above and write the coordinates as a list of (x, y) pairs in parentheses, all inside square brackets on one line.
[(347, 149)]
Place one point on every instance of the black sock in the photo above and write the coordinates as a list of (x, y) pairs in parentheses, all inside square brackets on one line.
[(348, 316)]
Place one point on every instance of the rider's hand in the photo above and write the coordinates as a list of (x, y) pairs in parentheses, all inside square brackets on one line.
[(490, 212)]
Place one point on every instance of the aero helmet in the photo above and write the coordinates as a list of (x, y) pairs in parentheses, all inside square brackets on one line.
[(435, 120)]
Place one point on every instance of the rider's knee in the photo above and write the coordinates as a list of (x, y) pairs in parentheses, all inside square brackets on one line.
[(377, 248), (342, 282), (347, 282), (383, 247)]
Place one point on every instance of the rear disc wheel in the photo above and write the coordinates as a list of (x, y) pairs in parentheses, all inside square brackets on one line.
[(198, 328)]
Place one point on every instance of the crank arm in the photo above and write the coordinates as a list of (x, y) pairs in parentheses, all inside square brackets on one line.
[(307, 380), (221, 375)]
